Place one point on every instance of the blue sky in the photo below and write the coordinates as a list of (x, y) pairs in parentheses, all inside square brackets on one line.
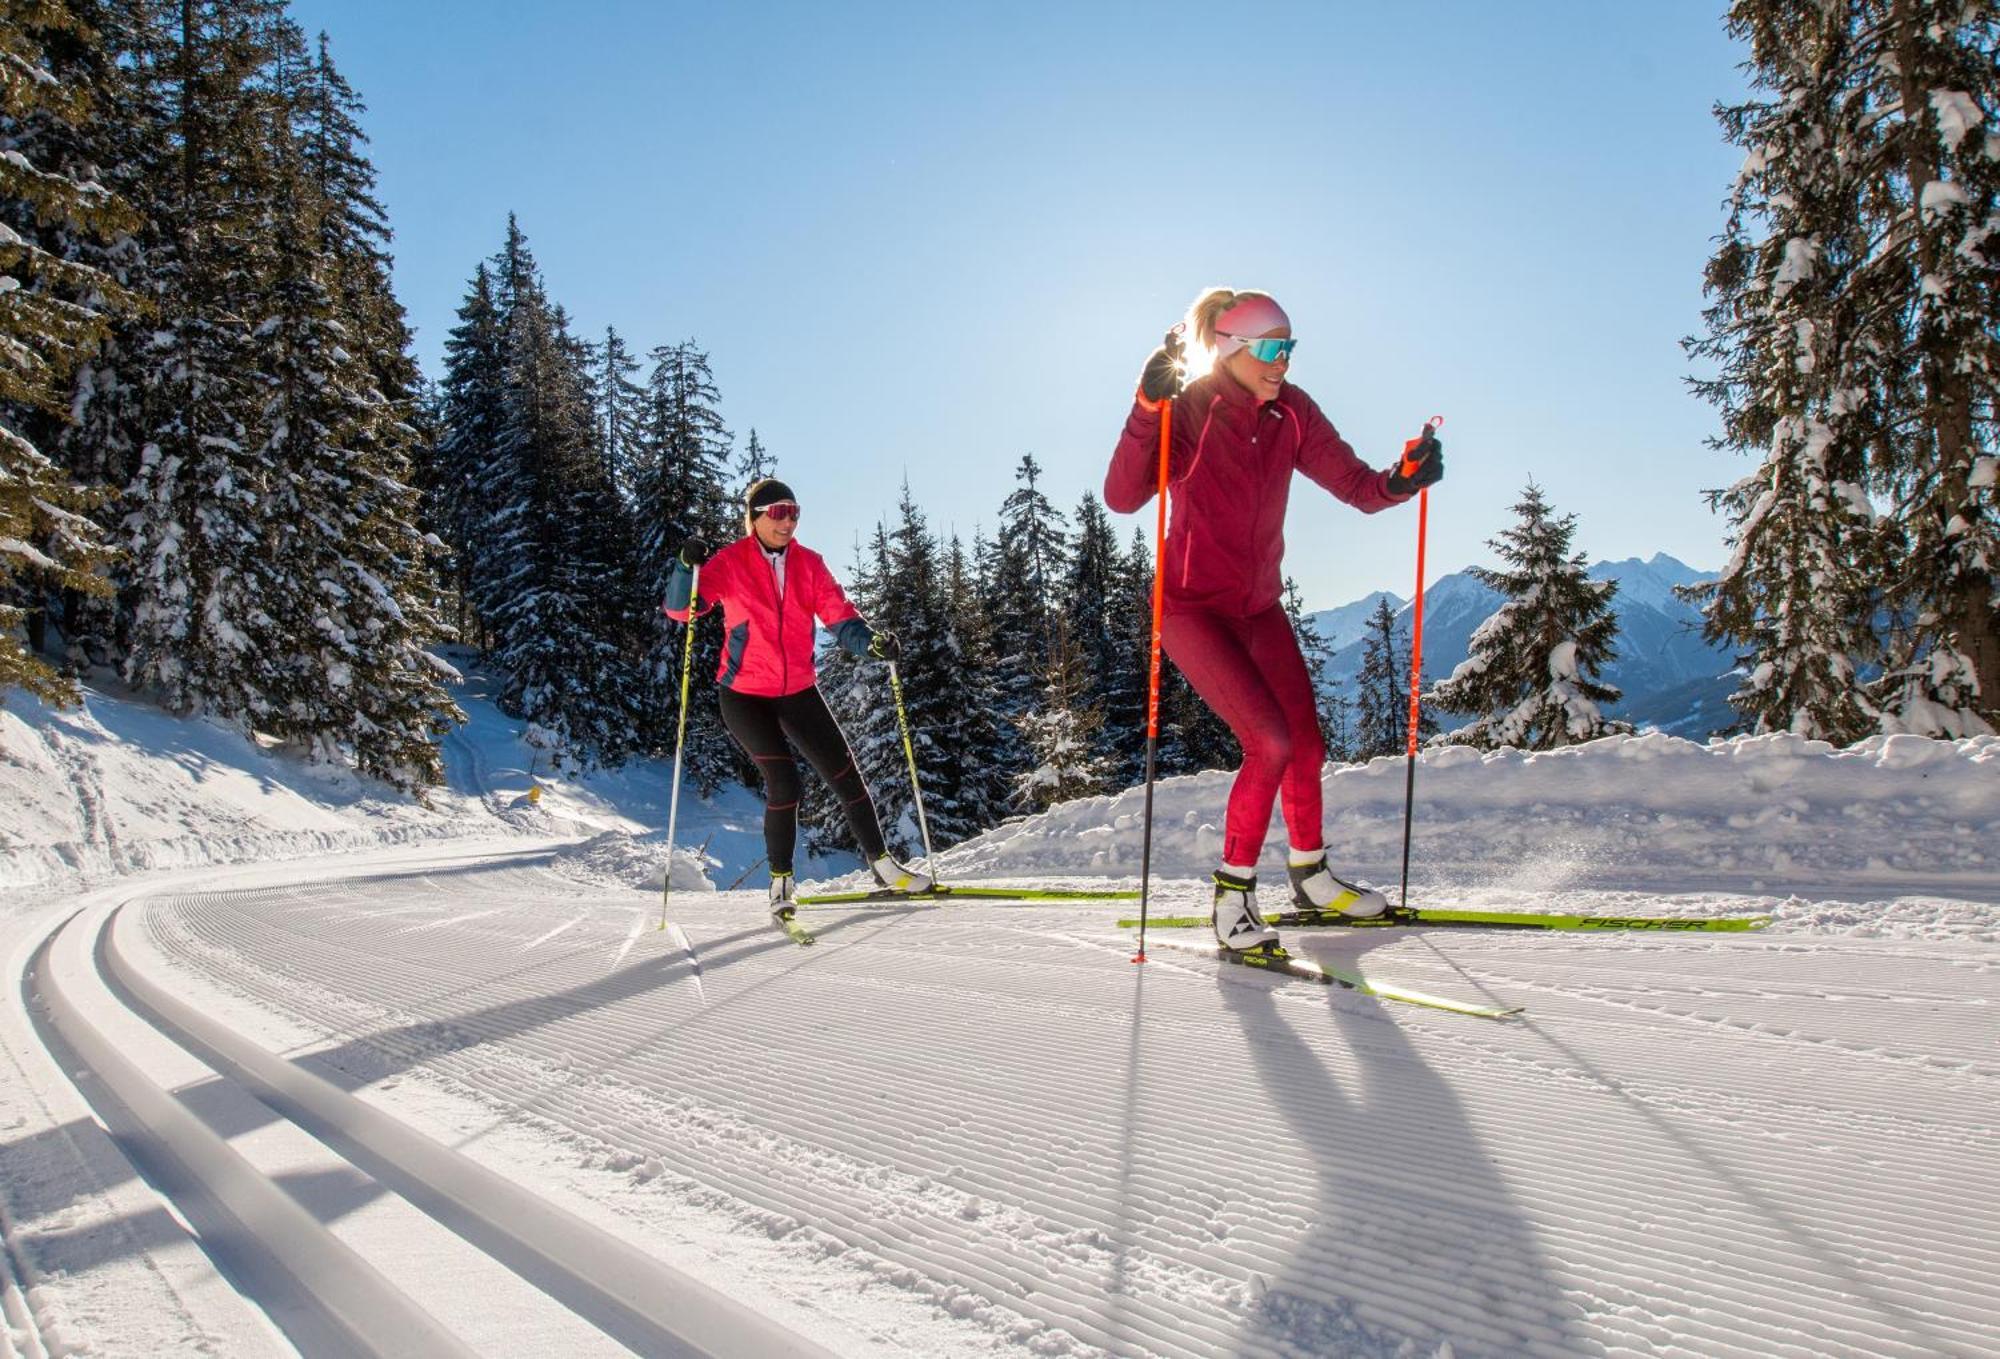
[(920, 241)]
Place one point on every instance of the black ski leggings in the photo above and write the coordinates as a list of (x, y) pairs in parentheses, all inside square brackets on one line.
[(761, 726)]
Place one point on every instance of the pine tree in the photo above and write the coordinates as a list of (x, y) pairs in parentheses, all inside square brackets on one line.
[(1012, 673), (549, 580), (753, 464), (1532, 671), (1382, 692), (680, 485), (1089, 604), (987, 746), (1124, 687), (857, 690), (106, 128), (353, 231), (911, 603), (1062, 735), (1033, 549), (1854, 290), (190, 524), (1332, 706), (1794, 595), (52, 317), (621, 410), (341, 672), (471, 408)]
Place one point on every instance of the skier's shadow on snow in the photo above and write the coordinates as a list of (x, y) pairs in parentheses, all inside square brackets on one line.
[(1413, 1237)]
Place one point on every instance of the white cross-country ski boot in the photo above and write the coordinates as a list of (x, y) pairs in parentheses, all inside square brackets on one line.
[(1314, 888), (782, 887), (1237, 924), (900, 877)]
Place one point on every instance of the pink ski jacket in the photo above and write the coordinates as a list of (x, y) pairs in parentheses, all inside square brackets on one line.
[(1229, 475), (767, 645)]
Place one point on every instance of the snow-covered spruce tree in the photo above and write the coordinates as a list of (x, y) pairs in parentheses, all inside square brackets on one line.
[(354, 232), (680, 484), (1123, 686), (1034, 552), (191, 524), (1856, 288), (53, 314), (343, 674), (985, 744), (621, 409), (104, 128), (548, 580), (857, 690), (1382, 692), (1099, 634), (471, 409), (1062, 734), (1335, 717), (913, 603), (1532, 671), (1012, 672)]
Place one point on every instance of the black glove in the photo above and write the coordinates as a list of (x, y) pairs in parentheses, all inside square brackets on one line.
[(882, 646), (1427, 453), (1162, 378), (693, 552)]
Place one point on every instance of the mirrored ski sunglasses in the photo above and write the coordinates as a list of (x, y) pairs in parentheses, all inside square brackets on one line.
[(784, 511), (1266, 350)]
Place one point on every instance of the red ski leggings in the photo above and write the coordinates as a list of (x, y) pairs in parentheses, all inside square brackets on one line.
[(1250, 672)]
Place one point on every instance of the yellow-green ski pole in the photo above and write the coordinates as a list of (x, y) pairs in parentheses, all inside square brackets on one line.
[(910, 754), (680, 739)]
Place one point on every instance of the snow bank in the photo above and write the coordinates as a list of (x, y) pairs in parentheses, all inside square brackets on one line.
[(116, 786), (619, 859), (1774, 813)]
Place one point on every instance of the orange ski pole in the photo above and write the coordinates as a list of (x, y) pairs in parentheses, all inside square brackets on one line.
[(1409, 468), (1153, 669)]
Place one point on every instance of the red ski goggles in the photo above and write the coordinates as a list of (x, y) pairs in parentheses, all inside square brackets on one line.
[(783, 511)]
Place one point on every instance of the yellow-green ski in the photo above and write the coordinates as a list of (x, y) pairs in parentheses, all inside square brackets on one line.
[(1483, 920)]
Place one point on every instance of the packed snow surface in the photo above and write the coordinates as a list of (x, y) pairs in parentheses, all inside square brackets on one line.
[(979, 1128)]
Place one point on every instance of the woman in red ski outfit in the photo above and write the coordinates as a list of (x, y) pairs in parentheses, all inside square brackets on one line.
[(771, 589), (1239, 432)]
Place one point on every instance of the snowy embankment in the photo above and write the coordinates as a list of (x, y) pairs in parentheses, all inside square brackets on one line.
[(116, 787), (1775, 814)]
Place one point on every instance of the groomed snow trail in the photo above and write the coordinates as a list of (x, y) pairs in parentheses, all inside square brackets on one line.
[(978, 1127)]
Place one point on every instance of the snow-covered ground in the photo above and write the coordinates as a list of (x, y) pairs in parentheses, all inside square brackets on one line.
[(978, 1128)]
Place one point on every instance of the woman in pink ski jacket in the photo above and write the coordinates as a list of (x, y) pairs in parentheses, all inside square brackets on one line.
[(771, 589), (1239, 433)]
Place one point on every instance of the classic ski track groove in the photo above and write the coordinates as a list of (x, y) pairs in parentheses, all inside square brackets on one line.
[(1001, 1183), (344, 1306)]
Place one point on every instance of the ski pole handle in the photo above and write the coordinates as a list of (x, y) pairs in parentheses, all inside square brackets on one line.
[(1409, 465)]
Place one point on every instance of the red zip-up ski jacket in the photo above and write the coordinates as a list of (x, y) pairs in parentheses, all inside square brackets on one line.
[(1230, 473), (767, 645)]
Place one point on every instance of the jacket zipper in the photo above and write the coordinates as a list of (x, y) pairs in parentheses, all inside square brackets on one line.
[(784, 658)]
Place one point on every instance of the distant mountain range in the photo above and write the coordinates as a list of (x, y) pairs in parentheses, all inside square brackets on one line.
[(1671, 678)]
